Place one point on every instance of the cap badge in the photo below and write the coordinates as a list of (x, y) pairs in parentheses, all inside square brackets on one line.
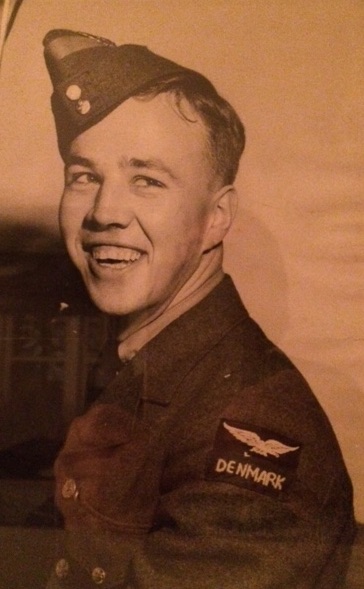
[(83, 107), (74, 93)]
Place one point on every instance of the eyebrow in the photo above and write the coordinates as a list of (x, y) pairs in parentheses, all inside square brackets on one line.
[(72, 159), (152, 164)]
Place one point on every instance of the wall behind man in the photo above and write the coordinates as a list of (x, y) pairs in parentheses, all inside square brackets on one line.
[(294, 71)]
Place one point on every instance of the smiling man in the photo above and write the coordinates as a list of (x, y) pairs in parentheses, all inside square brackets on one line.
[(204, 460), (120, 209)]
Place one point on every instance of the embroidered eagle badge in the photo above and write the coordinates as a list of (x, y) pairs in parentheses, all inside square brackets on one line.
[(257, 445)]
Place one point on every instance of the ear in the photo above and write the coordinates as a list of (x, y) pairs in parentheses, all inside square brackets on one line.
[(224, 205)]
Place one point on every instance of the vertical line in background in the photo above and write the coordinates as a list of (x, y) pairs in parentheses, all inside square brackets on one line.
[(8, 12), (5, 17)]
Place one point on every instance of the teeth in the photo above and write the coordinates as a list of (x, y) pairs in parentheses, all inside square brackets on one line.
[(114, 253)]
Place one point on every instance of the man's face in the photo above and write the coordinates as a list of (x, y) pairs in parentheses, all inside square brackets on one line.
[(137, 206)]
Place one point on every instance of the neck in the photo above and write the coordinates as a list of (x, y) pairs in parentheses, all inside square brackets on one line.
[(208, 274)]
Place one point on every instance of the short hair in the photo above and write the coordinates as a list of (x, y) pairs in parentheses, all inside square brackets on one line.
[(226, 135)]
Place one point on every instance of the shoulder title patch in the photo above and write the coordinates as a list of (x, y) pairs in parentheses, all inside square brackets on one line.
[(252, 457)]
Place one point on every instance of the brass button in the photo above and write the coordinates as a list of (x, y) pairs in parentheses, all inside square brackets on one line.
[(62, 568), (98, 575), (73, 92), (69, 489), (83, 107)]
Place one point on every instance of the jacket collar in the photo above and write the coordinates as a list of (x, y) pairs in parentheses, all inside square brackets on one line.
[(168, 357)]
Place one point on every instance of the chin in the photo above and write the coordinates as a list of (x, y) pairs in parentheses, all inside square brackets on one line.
[(112, 305), (108, 302), (113, 301)]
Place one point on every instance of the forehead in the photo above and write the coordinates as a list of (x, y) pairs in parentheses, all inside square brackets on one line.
[(155, 123)]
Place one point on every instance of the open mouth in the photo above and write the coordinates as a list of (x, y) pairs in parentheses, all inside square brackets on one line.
[(116, 256)]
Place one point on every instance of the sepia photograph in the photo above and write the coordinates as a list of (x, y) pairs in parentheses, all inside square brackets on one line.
[(181, 294)]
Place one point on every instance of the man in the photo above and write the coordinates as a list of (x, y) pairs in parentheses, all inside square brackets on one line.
[(204, 460)]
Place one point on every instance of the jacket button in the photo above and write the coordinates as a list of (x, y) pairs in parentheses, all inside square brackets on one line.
[(69, 489), (62, 568), (98, 575)]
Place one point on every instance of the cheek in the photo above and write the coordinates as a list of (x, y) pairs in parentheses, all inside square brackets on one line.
[(193, 223), (71, 215), (181, 239), (192, 214)]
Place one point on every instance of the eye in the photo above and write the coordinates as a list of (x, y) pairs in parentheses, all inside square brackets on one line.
[(147, 182), (81, 178)]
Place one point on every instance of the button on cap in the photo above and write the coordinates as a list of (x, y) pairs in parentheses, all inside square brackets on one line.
[(83, 107), (98, 575), (62, 568), (73, 92), (69, 489)]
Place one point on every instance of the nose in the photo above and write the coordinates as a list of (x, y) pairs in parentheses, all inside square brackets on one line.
[(112, 206)]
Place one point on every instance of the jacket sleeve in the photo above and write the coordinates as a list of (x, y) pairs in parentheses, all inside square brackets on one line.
[(218, 533), (143, 513), (231, 517)]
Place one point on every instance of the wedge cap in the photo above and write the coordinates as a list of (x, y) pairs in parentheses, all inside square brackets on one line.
[(91, 76)]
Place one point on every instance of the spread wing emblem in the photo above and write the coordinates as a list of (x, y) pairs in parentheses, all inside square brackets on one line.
[(259, 446)]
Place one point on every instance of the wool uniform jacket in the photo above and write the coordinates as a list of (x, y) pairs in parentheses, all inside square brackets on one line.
[(206, 462)]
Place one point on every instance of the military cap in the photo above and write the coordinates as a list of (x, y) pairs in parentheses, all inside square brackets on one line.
[(91, 76)]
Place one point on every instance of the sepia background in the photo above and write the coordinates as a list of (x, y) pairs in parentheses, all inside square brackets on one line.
[(294, 72)]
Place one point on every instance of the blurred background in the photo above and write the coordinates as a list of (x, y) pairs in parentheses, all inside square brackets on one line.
[(294, 72)]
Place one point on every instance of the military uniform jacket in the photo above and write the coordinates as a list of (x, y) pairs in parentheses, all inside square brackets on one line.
[(206, 462)]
